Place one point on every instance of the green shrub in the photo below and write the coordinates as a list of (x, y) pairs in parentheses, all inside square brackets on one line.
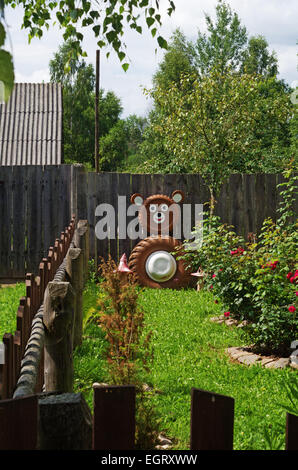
[(256, 281)]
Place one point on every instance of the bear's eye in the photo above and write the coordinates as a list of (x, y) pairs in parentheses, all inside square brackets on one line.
[(152, 208), (164, 207)]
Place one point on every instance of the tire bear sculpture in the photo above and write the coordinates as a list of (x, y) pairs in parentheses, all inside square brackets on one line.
[(151, 259)]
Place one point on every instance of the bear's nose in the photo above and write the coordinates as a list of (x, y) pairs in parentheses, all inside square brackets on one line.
[(159, 214)]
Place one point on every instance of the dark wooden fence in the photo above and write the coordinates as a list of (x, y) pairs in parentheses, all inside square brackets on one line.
[(211, 422), (36, 202), (34, 208), (244, 201), (35, 288)]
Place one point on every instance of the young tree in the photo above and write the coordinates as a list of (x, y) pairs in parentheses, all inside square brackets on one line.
[(211, 128), (224, 45)]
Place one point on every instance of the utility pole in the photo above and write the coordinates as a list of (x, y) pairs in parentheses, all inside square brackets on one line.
[(96, 142)]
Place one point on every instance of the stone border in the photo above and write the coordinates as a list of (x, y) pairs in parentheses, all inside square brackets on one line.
[(244, 355), (229, 321)]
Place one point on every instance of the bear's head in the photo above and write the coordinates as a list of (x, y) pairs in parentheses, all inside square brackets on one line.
[(158, 213)]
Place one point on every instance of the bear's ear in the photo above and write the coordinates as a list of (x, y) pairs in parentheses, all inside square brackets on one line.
[(137, 199), (178, 196)]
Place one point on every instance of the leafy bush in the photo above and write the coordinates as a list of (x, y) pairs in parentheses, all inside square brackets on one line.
[(256, 280)]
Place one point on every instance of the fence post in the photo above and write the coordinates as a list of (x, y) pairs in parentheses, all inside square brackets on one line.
[(65, 422), (212, 421), (58, 319), (18, 423), (74, 271), (292, 432), (114, 417), (81, 240)]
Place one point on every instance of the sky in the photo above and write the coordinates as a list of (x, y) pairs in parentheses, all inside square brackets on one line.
[(276, 20)]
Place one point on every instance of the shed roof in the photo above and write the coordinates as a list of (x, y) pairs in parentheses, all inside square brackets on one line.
[(31, 125)]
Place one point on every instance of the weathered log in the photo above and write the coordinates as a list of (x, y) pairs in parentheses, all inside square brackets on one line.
[(58, 318), (81, 240), (30, 363), (74, 272)]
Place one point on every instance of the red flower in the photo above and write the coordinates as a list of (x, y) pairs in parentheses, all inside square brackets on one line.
[(289, 275), (226, 314), (292, 279), (213, 275), (211, 287), (292, 309), (296, 293)]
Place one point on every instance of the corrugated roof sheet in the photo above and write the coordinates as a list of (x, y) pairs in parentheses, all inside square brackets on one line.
[(31, 125)]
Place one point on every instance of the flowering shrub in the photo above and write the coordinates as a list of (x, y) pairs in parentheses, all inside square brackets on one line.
[(256, 281)]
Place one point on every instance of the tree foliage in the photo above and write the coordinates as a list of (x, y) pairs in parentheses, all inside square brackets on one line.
[(106, 18), (78, 105), (211, 127), (6, 63), (224, 48)]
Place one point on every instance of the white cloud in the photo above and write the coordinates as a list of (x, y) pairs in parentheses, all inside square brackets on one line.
[(274, 19)]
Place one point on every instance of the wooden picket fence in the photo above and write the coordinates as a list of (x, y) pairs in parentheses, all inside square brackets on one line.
[(15, 344), (113, 423)]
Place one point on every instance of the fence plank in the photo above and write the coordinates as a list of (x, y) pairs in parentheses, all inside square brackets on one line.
[(5, 217), (92, 186), (125, 192), (34, 221), (113, 243), (212, 421), (7, 390), (18, 423), (114, 417), (103, 196), (18, 220), (291, 432)]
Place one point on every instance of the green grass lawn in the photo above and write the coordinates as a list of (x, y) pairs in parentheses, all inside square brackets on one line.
[(189, 351), (9, 302)]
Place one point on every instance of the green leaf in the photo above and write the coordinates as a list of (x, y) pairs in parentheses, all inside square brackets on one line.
[(125, 67), (153, 32), (6, 74), (162, 42), (121, 56), (150, 21)]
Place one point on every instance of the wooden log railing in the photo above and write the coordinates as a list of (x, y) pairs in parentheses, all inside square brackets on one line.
[(15, 344), (56, 328)]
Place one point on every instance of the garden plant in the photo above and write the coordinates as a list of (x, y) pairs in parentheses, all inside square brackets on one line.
[(256, 280)]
